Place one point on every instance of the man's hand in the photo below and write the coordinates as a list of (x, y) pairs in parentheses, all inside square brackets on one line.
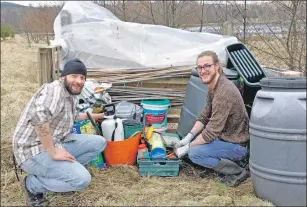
[(43, 131), (182, 151), (187, 139), (98, 116), (61, 154), (83, 116)]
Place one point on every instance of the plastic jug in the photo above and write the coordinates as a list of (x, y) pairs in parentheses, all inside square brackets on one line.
[(112, 128)]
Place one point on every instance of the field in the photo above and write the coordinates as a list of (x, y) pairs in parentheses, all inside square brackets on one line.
[(117, 186)]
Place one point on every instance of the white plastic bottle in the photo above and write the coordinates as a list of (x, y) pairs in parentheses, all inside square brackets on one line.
[(109, 125)]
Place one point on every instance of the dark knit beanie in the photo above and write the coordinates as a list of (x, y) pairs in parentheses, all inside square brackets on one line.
[(74, 66)]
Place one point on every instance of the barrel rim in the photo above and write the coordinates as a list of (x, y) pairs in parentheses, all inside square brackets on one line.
[(284, 82)]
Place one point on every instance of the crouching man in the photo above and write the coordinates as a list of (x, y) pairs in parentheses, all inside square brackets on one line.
[(42, 144), (221, 131)]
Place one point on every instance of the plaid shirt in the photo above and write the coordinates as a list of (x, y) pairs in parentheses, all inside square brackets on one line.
[(52, 103)]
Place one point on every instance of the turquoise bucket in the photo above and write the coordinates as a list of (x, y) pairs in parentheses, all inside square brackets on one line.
[(155, 112)]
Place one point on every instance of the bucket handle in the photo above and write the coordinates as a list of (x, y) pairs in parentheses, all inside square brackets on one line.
[(113, 134), (134, 114)]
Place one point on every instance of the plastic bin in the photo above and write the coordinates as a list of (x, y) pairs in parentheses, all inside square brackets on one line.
[(242, 60), (159, 167), (130, 129)]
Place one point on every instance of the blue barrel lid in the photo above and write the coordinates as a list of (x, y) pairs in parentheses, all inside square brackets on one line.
[(156, 102)]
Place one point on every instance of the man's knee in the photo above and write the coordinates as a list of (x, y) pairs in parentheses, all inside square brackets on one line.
[(99, 143), (194, 154), (82, 181), (198, 152), (191, 153), (201, 157)]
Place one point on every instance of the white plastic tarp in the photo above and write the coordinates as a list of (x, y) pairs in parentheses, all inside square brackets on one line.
[(98, 38)]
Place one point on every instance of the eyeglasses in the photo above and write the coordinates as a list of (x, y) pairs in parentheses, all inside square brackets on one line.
[(205, 67)]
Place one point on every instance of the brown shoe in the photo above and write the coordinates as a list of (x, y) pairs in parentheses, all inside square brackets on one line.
[(33, 199)]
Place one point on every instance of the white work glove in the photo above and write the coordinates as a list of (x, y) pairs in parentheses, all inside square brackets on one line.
[(182, 151), (186, 140)]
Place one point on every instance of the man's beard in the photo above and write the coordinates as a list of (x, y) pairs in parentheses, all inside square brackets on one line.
[(209, 78), (69, 88)]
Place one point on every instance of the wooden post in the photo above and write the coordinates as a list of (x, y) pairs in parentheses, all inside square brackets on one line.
[(227, 28), (48, 63)]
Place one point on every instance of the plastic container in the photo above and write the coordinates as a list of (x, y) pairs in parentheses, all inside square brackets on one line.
[(232, 75), (122, 152), (111, 124), (141, 151), (242, 60), (155, 112), (130, 127), (161, 168), (125, 110), (278, 141), (158, 149)]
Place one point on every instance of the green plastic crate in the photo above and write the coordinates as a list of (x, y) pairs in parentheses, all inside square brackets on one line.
[(162, 168)]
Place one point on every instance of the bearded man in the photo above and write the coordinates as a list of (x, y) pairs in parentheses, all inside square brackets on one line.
[(221, 132), (43, 145)]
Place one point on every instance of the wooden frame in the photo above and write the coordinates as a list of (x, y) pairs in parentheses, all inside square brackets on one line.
[(48, 63)]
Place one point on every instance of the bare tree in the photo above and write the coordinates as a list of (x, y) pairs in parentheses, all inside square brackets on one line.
[(202, 16), (100, 3), (287, 41), (38, 22), (168, 13)]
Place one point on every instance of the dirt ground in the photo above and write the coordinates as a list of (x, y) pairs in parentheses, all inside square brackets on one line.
[(116, 186)]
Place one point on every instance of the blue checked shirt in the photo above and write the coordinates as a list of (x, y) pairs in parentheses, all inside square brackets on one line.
[(51, 103)]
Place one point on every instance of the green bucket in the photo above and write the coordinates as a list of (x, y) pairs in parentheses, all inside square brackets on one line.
[(130, 127)]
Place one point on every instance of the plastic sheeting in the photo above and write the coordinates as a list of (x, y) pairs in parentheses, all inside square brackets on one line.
[(98, 38)]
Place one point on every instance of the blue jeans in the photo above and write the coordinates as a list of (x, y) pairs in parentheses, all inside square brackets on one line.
[(208, 155), (46, 174)]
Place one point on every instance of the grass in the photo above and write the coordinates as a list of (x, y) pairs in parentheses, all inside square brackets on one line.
[(116, 186)]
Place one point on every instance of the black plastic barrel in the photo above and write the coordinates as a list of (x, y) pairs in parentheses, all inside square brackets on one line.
[(195, 99), (278, 141)]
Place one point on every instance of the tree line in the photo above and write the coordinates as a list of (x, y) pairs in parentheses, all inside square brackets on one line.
[(285, 21)]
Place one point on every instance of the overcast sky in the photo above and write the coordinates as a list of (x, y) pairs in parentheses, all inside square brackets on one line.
[(34, 3)]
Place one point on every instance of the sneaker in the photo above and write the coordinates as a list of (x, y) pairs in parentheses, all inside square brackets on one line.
[(34, 199)]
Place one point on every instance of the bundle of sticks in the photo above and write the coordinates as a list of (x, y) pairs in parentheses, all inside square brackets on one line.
[(119, 77), (136, 94), (128, 84)]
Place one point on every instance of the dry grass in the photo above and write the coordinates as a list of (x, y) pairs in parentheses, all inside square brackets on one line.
[(117, 186)]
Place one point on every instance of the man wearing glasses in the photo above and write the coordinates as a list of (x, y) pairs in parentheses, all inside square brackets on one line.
[(220, 134)]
